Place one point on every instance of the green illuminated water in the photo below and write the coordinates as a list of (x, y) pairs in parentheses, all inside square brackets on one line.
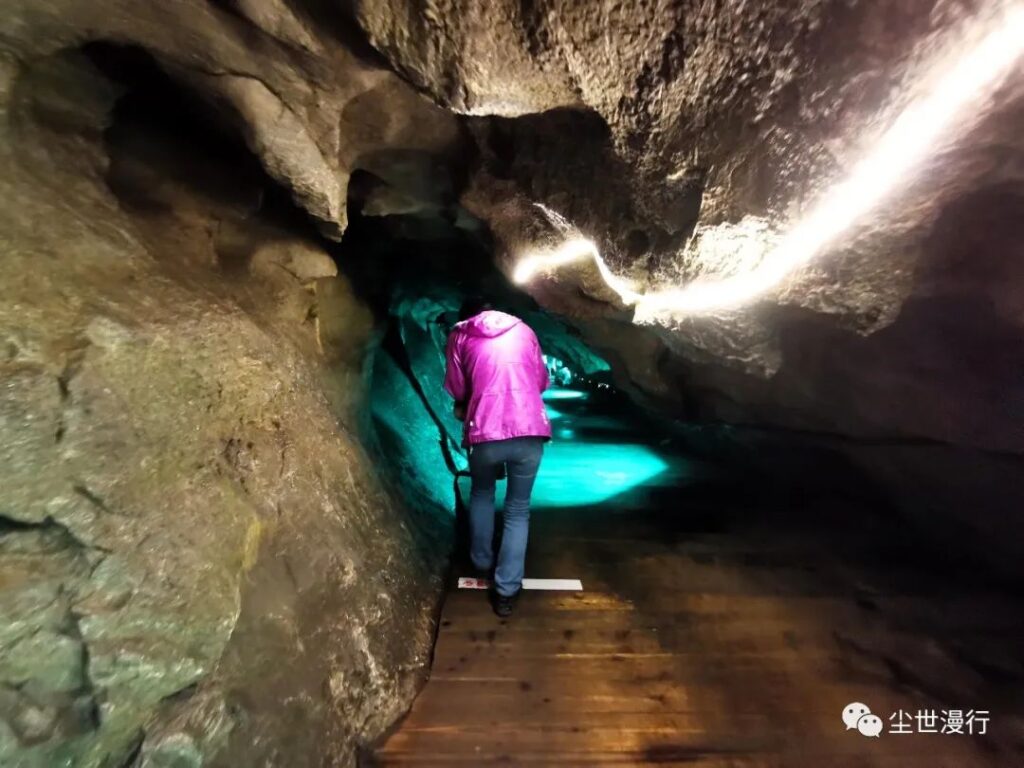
[(564, 394), (597, 457), (582, 473)]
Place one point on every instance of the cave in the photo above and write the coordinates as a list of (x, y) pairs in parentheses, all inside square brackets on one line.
[(772, 257)]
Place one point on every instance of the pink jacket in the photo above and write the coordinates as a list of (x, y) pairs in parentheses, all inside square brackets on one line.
[(495, 368)]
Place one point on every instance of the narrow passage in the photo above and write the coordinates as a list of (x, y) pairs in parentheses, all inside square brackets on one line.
[(717, 627)]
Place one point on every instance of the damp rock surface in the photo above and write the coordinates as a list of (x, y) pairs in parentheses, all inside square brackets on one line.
[(199, 561)]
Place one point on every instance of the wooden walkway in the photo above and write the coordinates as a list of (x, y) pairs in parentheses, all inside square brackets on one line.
[(712, 634)]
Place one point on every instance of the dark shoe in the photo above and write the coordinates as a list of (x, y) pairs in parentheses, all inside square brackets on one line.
[(503, 604)]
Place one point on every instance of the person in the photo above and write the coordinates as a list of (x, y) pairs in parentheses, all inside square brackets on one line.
[(496, 375)]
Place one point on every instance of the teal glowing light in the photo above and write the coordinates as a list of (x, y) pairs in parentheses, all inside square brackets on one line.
[(554, 413), (560, 374), (564, 394), (579, 474)]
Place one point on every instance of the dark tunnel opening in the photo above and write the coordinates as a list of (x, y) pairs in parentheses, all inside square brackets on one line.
[(416, 269), (164, 131)]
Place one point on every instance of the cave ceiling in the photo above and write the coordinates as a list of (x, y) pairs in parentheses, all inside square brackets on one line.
[(682, 138)]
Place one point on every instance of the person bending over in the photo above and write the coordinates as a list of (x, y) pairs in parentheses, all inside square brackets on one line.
[(496, 374)]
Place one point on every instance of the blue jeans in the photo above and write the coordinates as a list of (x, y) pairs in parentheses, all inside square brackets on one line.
[(521, 456)]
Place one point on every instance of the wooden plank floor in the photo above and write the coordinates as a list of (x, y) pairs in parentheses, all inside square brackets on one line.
[(711, 634)]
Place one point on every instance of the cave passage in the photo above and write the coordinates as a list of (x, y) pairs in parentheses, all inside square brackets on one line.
[(595, 457), (234, 490), (728, 615), (724, 619)]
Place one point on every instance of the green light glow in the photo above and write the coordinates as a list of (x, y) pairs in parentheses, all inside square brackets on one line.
[(577, 474), (554, 414), (564, 394)]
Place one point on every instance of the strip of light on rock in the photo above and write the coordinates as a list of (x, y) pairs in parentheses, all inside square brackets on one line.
[(963, 75)]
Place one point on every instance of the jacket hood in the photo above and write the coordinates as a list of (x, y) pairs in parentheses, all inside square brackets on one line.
[(489, 324)]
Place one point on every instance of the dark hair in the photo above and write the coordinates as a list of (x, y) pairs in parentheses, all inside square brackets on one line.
[(473, 305)]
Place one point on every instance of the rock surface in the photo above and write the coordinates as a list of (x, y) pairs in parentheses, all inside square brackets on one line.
[(199, 561), (642, 123), (308, 105)]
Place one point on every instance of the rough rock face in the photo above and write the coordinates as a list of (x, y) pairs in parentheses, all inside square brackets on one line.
[(308, 106), (199, 564), (729, 111), (662, 117)]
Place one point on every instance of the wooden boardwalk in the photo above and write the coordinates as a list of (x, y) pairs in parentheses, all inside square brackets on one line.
[(711, 634)]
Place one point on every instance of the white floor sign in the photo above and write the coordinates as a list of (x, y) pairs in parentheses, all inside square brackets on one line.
[(569, 585)]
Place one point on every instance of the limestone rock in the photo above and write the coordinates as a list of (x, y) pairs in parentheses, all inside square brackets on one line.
[(196, 551)]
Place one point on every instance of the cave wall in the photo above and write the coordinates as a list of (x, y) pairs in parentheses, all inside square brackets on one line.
[(200, 563), (930, 406), (740, 108), (660, 129)]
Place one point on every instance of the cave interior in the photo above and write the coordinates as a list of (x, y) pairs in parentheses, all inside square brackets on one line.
[(236, 238)]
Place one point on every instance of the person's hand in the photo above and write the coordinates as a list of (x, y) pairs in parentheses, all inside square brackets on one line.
[(460, 411)]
